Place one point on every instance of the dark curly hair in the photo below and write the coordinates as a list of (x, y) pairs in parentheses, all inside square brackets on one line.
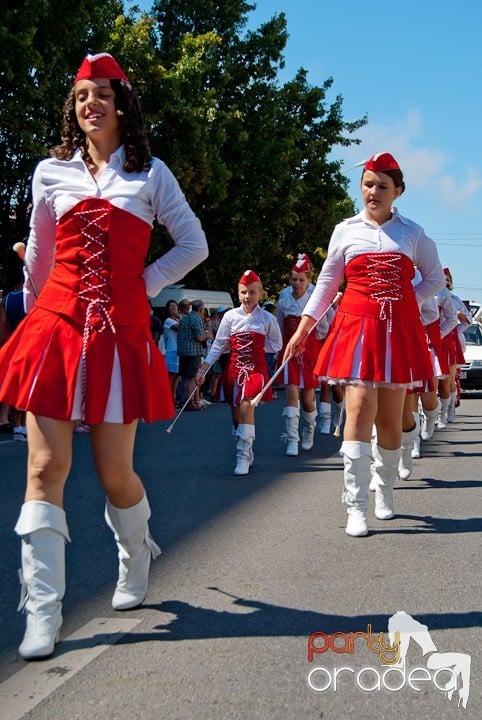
[(133, 135)]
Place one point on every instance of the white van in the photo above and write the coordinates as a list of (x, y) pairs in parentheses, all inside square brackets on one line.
[(212, 299)]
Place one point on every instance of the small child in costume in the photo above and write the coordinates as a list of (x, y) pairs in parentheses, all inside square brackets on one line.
[(298, 376), (251, 332)]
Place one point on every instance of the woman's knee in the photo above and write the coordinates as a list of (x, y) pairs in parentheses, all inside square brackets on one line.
[(46, 477), (292, 395), (123, 489), (48, 466)]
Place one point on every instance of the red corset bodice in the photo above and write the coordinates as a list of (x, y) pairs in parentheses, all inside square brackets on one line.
[(247, 351), (99, 260), (290, 323), (376, 285)]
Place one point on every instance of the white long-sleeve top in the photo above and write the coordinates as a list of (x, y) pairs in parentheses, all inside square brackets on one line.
[(358, 236), (289, 305), (437, 307), (58, 185), (238, 320), (460, 306), (448, 316)]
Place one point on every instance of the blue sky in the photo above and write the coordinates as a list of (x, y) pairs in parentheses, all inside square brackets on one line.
[(414, 69)]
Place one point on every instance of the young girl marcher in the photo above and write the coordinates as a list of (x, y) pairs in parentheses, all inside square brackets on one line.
[(85, 349), (250, 332), (298, 374), (454, 345), (376, 344)]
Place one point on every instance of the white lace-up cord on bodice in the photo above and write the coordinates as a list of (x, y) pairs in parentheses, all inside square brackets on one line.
[(95, 288), (380, 270), (244, 356)]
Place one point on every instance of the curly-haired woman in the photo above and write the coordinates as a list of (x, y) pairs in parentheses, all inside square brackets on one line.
[(85, 350)]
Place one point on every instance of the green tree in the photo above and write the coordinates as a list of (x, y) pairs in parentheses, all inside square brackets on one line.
[(253, 156), (42, 41)]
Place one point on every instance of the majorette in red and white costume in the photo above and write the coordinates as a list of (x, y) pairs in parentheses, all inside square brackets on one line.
[(438, 329), (438, 318), (250, 336), (250, 332), (85, 347), (376, 338), (454, 345), (299, 370), (453, 341)]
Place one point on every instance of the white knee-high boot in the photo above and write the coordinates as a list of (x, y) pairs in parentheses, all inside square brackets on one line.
[(385, 475), (136, 547), (356, 476), (308, 429), (416, 447), (451, 407), (443, 421), (405, 465), (429, 419), (44, 532), (292, 437), (324, 418), (244, 449)]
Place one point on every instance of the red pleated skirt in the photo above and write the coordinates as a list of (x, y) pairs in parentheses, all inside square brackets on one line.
[(300, 369), (377, 334), (39, 370), (452, 348)]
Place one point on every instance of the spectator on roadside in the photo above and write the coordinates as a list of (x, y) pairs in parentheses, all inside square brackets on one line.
[(156, 326), (190, 337), (184, 306), (215, 387), (170, 328)]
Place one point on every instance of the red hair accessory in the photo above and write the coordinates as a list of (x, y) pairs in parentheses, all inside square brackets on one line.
[(381, 162), (101, 65), (248, 277), (448, 273), (302, 264)]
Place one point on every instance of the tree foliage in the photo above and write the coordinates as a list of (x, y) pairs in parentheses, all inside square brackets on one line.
[(42, 42), (254, 156)]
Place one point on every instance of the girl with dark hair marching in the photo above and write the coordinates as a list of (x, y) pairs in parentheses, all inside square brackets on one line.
[(85, 349)]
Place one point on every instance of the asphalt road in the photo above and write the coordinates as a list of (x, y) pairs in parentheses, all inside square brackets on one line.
[(251, 567)]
